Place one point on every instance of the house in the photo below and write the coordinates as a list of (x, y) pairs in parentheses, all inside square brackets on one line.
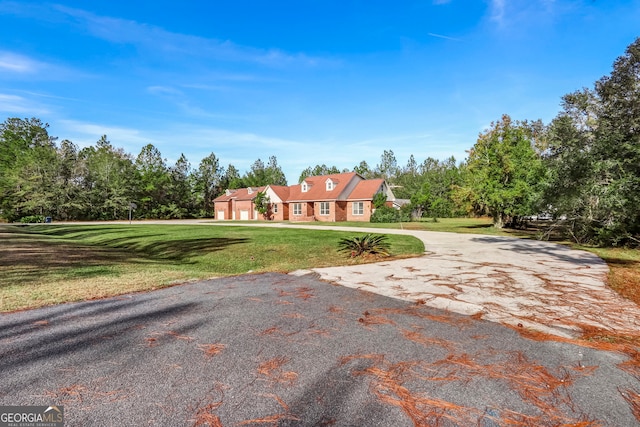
[(328, 198), (237, 204), (333, 198), (278, 202)]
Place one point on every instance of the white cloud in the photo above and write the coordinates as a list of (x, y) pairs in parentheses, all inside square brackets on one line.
[(85, 134), (522, 15), (440, 36), (498, 11), (163, 90), (16, 66), (14, 104), (14, 63), (234, 139), (156, 38)]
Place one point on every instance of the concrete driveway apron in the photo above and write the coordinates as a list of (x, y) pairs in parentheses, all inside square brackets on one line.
[(523, 283)]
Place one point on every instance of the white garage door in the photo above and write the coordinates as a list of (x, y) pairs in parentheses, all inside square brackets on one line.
[(244, 215), (220, 215)]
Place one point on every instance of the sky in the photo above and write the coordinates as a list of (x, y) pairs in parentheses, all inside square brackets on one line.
[(307, 81)]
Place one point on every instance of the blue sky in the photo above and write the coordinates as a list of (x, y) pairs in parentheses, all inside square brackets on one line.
[(310, 82)]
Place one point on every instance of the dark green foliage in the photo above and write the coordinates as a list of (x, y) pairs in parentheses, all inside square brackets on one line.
[(153, 180), (364, 170), (207, 180), (366, 244), (593, 158), (263, 204), (261, 174), (387, 214), (32, 219), (504, 172), (99, 182), (231, 179), (108, 180), (431, 187), (388, 166), (28, 168), (379, 200), (180, 198)]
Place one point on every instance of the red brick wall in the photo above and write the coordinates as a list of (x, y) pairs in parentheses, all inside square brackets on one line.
[(325, 218), (244, 205), (282, 214), (307, 212), (222, 206), (341, 211), (365, 217)]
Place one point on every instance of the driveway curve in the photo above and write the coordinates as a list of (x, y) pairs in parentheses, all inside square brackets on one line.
[(523, 283)]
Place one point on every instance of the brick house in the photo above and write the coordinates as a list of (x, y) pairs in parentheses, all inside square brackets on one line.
[(328, 198), (237, 204), (279, 204)]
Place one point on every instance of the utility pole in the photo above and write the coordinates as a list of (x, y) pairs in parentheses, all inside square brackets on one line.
[(132, 206)]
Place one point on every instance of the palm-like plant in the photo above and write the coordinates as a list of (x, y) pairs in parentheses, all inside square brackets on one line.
[(367, 244)]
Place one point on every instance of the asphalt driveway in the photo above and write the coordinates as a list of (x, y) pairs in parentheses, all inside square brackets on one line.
[(282, 350)]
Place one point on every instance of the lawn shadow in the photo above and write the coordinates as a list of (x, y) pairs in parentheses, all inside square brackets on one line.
[(535, 247), (475, 226), (27, 256), (80, 327)]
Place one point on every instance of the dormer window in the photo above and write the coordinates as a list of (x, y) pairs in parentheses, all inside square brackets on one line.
[(249, 190), (305, 187), (330, 185)]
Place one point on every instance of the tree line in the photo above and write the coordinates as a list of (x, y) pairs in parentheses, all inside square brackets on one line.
[(39, 177), (582, 169)]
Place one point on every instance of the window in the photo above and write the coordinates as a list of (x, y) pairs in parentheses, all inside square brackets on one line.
[(324, 208), (297, 208), (274, 208), (358, 208), (330, 185), (305, 187)]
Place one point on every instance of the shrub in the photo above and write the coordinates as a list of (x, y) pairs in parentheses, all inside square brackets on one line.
[(31, 219), (389, 214), (367, 244), (385, 214), (379, 200)]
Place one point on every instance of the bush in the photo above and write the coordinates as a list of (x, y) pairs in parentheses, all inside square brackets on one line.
[(379, 200), (389, 214), (31, 219), (367, 244)]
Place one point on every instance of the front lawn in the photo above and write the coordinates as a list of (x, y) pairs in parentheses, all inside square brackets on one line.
[(51, 264)]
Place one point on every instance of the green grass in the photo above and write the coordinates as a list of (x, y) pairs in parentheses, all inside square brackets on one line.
[(50, 264), (454, 225)]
